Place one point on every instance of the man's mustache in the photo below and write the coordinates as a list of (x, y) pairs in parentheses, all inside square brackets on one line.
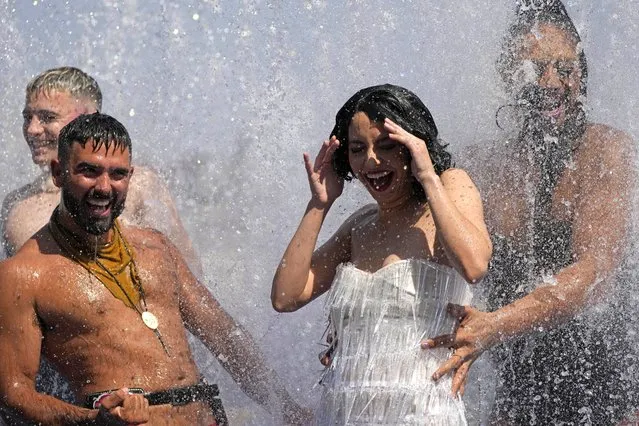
[(534, 97), (99, 195)]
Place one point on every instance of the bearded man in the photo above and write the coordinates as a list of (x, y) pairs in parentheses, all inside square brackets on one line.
[(54, 98), (558, 199), (109, 306)]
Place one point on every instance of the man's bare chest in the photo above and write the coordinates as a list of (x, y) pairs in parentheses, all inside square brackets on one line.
[(513, 205), (75, 301)]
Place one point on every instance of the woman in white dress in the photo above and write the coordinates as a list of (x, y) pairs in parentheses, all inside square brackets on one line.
[(393, 267)]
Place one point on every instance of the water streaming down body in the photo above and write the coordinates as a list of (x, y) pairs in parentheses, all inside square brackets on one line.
[(222, 102), (577, 370), (379, 374)]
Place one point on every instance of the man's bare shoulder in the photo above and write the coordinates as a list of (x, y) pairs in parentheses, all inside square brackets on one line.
[(144, 174), (30, 265), (144, 182), (146, 238), (24, 211), (25, 192), (603, 146), (17, 197), (154, 250), (12, 273), (149, 201), (40, 248), (19, 283), (613, 138), (13, 198)]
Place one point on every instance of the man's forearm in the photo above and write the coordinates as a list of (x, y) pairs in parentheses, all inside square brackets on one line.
[(230, 343), (246, 364), (549, 305), (47, 410)]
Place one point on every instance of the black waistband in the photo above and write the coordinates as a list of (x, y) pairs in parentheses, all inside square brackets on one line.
[(200, 392), (181, 396)]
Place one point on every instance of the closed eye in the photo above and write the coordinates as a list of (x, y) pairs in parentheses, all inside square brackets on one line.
[(387, 144), (355, 147)]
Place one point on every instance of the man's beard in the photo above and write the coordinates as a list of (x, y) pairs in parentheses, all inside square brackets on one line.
[(77, 208), (549, 146), (549, 142), (537, 101)]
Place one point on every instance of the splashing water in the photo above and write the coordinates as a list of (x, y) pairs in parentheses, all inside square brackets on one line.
[(223, 98)]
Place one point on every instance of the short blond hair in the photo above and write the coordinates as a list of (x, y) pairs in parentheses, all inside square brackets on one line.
[(76, 82)]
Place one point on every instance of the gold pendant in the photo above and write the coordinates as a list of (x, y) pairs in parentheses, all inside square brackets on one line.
[(150, 320)]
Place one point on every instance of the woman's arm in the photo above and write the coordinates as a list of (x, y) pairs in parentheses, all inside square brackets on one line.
[(455, 205), (459, 219), (303, 275)]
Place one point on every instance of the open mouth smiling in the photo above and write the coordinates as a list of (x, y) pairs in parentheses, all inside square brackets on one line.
[(553, 103), (379, 180), (99, 206), (552, 107)]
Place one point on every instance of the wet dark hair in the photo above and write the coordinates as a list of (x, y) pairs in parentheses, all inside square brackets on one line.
[(103, 130), (531, 13), (404, 108)]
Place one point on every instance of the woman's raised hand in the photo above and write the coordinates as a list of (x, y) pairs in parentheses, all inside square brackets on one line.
[(421, 164), (325, 184)]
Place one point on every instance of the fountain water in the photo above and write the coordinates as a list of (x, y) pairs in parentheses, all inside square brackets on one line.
[(223, 98)]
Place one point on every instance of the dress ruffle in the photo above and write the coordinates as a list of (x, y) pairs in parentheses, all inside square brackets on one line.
[(379, 374)]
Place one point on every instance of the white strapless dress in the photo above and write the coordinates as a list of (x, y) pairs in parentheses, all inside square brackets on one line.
[(379, 374)]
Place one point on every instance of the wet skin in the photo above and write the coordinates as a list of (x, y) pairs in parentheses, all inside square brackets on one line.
[(447, 229), (44, 115), (596, 185), (555, 61), (97, 342), (27, 209)]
